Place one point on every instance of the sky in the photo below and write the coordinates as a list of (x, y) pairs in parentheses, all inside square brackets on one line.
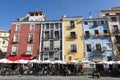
[(11, 10)]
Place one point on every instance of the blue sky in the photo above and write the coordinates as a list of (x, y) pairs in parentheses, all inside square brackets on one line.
[(10, 10)]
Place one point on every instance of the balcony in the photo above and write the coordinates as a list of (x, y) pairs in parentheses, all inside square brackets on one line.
[(87, 35), (115, 32), (99, 50), (51, 49), (56, 37), (117, 42), (56, 48), (45, 49), (46, 38), (107, 34), (14, 41), (73, 50), (28, 53), (72, 26), (73, 37), (96, 36), (30, 40)]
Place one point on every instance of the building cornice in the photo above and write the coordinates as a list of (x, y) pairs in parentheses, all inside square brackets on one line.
[(94, 19), (72, 18)]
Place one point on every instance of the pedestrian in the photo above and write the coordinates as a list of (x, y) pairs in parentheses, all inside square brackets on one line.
[(96, 73), (21, 70)]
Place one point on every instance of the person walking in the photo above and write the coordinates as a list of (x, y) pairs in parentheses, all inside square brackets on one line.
[(21, 70)]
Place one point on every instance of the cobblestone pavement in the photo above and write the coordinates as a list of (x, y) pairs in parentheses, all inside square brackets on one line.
[(17, 77)]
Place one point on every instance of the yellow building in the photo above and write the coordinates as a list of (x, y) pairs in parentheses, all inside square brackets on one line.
[(113, 16), (73, 46)]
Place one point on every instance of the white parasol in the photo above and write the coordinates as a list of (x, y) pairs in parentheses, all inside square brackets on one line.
[(21, 61), (4, 60), (34, 61)]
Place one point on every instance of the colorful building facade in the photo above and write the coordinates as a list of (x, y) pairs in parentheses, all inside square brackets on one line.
[(51, 40), (24, 39), (113, 18), (4, 38), (97, 40), (73, 46), (70, 38)]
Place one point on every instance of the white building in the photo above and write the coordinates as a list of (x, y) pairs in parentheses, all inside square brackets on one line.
[(51, 40), (4, 37), (34, 16), (113, 16)]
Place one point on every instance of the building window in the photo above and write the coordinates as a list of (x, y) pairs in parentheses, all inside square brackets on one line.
[(17, 28), (51, 45), (117, 39), (52, 25), (115, 29), (57, 55), (72, 35), (56, 34), (32, 27), (87, 34), (47, 26), (51, 57), (108, 46), (3, 42), (96, 33), (32, 14), (60, 25), (72, 24), (16, 38), (102, 22), (46, 45), (106, 33), (109, 58), (113, 19), (56, 45), (118, 14), (73, 48), (56, 26), (119, 49), (85, 22), (29, 49), (14, 49), (88, 46), (36, 14), (30, 38), (98, 47), (107, 14), (43, 26), (41, 14), (45, 56), (95, 23), (46, 35)]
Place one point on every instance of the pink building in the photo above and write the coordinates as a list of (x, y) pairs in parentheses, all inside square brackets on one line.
[(24, 37)]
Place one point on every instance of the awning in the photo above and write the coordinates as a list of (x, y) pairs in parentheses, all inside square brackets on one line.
[(15, 58)]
